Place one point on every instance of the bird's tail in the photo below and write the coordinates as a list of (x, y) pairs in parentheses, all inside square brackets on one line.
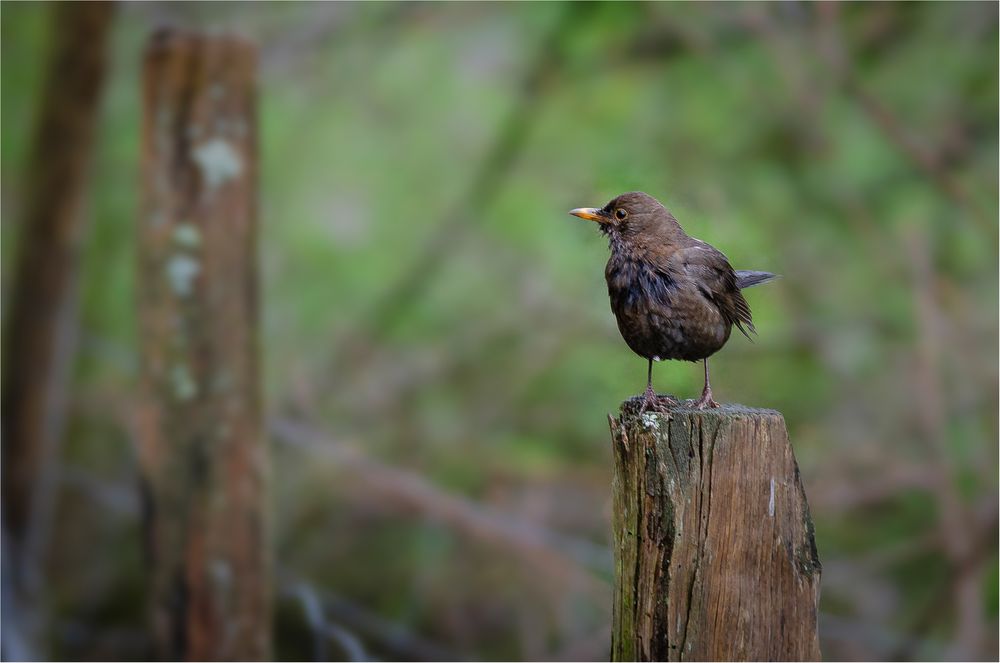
[(745, 279)]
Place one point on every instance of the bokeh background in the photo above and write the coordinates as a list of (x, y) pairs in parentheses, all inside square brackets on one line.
[(439, 354)]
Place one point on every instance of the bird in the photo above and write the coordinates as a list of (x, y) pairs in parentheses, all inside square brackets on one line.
[(674, 296)]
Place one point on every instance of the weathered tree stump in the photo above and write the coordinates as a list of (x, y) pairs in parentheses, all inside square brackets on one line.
[(202, 450), (715, 558)]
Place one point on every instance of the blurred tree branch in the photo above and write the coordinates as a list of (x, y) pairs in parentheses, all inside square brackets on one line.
[(41, 317), (486, 181), (955, 519), (323, 629), (836, 55), (386, 636), (559, 554), (923, 159)]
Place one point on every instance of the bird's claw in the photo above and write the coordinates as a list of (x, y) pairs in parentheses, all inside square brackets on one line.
[(653, 402), (706, 401)]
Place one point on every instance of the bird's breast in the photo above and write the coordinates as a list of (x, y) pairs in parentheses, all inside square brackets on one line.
[(660, 314)]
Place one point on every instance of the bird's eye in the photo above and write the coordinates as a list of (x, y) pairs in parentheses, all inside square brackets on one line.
[(620, 214)]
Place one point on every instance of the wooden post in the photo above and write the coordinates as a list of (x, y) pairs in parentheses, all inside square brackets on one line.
[(202, 451), (715, 558)]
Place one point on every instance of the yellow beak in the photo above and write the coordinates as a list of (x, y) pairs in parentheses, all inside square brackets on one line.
[(589, 213)]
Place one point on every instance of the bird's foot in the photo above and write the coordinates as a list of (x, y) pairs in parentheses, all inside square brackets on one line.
[(653, 402), (706, 400)]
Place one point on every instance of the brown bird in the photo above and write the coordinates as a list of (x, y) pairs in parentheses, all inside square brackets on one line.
[(674, 296)]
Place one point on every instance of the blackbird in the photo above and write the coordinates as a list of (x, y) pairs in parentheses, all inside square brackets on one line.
[(674, 296)]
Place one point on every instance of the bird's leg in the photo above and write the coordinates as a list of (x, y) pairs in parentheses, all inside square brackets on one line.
[(650, 400), (706, 399), (649, 397)]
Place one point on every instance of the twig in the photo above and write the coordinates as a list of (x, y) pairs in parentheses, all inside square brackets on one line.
[(323, 630), (313, 613), (347, 641), (390, 637)]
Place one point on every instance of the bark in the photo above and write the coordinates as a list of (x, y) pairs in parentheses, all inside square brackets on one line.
[(715, 557), (202, 450)]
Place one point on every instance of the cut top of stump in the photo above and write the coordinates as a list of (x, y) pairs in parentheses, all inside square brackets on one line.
[(630, 408)]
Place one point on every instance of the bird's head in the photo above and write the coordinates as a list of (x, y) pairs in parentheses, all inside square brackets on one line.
[(631, 215)]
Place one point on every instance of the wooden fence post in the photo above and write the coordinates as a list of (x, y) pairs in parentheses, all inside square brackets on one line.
[(715, 558), (202, 450)]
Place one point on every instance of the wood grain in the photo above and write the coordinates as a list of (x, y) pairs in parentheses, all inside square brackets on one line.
[(715, 557)]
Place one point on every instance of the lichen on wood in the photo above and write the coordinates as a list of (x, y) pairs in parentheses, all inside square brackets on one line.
[(201, 447), (715, 557)]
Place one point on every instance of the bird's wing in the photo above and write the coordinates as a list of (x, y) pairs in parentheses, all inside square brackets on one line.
[(710, 270)]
